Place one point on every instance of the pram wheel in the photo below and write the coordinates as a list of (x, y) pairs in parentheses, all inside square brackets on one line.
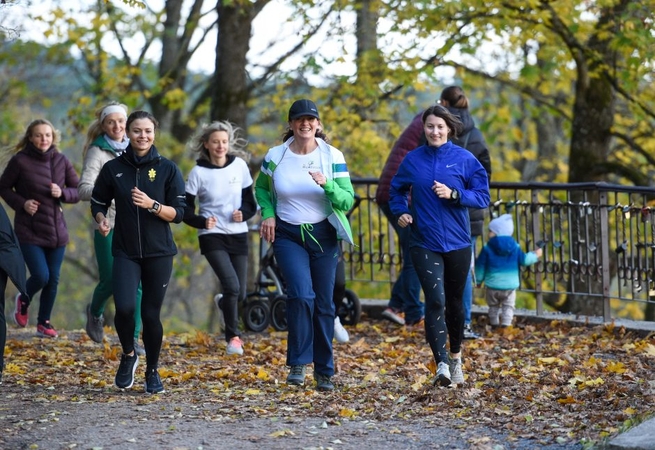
[(350, 311), (256, 315), (279, 313)]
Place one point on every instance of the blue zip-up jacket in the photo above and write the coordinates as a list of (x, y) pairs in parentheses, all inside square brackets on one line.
[(440, 225), (137, 232), (499, 261)]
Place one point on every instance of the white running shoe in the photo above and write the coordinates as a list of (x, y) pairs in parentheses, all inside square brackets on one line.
[(340, 333)]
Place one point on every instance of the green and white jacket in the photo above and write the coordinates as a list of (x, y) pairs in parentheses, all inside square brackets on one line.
[(338, 188)]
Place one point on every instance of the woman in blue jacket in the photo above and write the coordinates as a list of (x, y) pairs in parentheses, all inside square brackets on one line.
[(445, 180), (148, 192)]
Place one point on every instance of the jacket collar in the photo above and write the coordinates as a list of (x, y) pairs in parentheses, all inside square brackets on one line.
[(31, 150), (152, 156)]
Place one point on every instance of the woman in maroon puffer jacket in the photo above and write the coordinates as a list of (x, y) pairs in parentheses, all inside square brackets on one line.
[(35, 183)]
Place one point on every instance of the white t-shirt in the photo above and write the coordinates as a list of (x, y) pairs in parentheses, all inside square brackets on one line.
[(218, 191), (299, 199)]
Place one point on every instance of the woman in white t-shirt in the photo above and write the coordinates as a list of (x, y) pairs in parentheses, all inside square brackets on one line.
[(303, 190), (222, 184)]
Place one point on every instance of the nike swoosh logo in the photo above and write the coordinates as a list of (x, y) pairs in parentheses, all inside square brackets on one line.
[(448, 166)]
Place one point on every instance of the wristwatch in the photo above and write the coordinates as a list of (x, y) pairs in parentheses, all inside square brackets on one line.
[(155, 207), (454, 194)]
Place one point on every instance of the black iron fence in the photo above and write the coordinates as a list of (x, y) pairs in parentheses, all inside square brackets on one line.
[(598, 245)]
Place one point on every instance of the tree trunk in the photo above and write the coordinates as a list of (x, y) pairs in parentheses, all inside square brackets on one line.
[(230, 88), (231, 92), (593, 118)]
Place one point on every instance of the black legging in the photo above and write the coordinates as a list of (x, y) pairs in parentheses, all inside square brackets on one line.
[(154, 275), (3, 319), (232, 272), (443, 278)]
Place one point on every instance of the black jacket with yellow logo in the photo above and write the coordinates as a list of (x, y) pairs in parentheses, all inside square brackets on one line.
[(139, 233)]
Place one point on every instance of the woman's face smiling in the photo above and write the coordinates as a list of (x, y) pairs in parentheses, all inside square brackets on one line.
[(142, 135), (114, 126), (217, 144), (436, 131), (304, 127), (42, 137)]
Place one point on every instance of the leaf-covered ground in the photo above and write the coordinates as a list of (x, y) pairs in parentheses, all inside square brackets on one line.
[(538, 385)]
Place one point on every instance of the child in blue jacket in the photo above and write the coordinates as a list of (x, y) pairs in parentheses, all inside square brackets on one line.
[(498, 266)]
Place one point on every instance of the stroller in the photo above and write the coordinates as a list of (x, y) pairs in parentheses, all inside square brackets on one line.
[(267, 303)]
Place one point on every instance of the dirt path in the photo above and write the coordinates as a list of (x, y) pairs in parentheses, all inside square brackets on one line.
[(171, 421), (548, 386)]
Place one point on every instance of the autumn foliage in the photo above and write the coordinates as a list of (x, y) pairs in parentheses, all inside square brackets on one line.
[(551, 382)]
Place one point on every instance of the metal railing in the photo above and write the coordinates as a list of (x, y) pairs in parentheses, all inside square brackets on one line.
[(598, 243)]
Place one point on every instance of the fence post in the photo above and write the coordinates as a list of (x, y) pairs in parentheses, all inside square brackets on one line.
[(605, 254), (536, 233)]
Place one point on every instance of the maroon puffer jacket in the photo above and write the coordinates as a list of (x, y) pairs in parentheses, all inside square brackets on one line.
[(28, 176), (408, 140)]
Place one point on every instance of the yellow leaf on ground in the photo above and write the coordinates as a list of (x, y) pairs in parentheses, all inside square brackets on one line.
[(616, 367), (650, 350), (552, 360), (282, 433), (345, 412), (566, 401)]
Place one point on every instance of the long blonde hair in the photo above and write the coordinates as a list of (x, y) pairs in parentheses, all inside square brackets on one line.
[(237, 143), (95, 129)]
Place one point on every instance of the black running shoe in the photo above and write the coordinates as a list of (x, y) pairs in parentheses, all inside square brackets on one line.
[(153, 382), (125, 375)]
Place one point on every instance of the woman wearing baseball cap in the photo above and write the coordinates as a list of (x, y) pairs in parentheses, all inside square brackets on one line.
[(303, 189)]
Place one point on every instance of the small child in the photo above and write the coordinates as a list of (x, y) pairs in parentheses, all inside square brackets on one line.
[(498, 266)]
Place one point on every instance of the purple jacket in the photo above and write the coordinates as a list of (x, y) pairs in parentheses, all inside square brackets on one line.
[(409, 139), (28, 176)]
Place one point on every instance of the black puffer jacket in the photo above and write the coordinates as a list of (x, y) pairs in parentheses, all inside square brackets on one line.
[(471, 139)]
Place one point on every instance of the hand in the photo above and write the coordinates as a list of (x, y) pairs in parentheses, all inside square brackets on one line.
[(55, 190), (404, 220), (103, 227), (210, 222), (319, 178), (267, 229), (441, 190), (140, 199), (538, 251), (31, 206), (237, 216)]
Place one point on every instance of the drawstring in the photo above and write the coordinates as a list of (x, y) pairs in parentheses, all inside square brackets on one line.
[(308, 227)]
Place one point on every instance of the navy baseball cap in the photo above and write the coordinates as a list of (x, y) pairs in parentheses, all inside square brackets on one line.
[(302, 108)]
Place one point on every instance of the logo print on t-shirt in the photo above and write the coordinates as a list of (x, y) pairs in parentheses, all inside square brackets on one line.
[(310, 165)]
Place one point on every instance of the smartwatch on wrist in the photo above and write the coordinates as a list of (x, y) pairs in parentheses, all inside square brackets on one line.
[(454, 194), (155, 207)]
